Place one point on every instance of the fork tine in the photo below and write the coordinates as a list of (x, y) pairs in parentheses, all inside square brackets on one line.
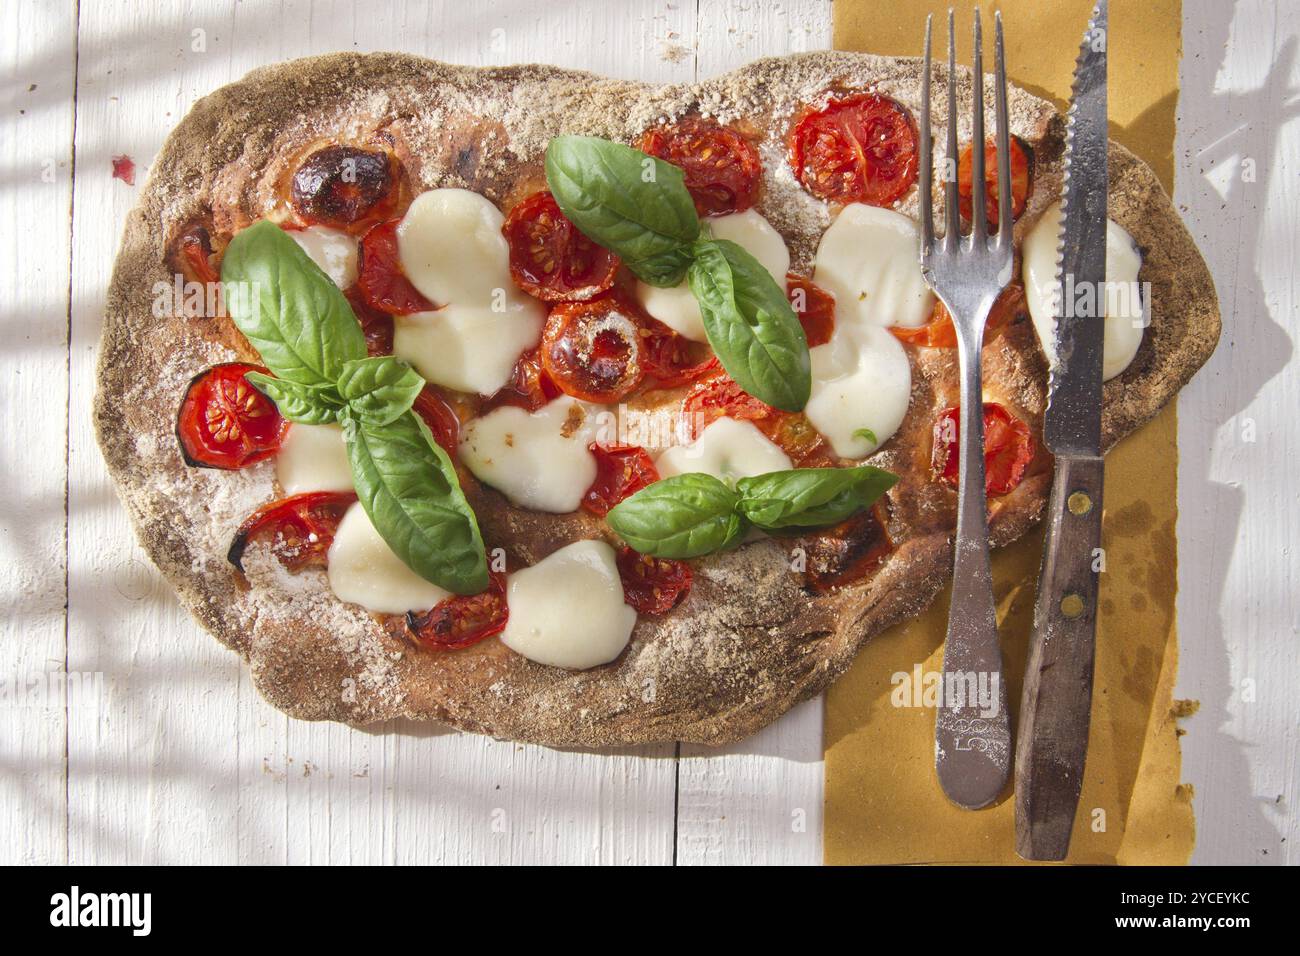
[(978, 218), (951, 211), (1004, 140), (927, 155)]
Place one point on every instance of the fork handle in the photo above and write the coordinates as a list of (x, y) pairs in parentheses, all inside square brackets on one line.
[(1055, 708), (972, 745)]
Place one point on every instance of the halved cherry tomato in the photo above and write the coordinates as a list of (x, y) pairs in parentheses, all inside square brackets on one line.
[(224, 422), (383, 284), (592, 350), (652, 585), (440, 417), (939, 333), (550, 258), (846, 552), (857, 148), (194, 247), (719, 395), (1008, 448), (342, 185), (670, 358), (1019, 180), (722, 169), (529, 388), (814, 306), (462, 620), (300, 528), (375, 325), (621, 471)]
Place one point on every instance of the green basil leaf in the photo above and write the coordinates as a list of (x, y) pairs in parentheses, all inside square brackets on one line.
[(306, 404), (810, 497), (632, 204), (287, 308), (379, 389), (868, 434), (680, 517), (750, 325), (408, 486)]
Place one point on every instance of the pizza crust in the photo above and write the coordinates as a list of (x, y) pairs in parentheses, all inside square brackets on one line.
[(749, 643)]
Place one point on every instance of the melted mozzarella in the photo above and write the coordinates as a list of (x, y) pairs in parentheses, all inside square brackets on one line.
[(334, 251), (451, 248), (568, 610), (538, 460), (465, 347), (313, 458), (364, 570), (677, 308), (869, 259), (1124, 315), (861, 379), (727, 449)]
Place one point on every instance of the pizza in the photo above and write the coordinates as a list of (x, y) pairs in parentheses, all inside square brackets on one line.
[(580, 411)]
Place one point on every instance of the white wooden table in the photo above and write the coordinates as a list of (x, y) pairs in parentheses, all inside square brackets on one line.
[(163, 752)]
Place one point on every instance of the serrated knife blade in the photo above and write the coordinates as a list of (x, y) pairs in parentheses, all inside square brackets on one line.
[(1072, 423), (1056, 704)]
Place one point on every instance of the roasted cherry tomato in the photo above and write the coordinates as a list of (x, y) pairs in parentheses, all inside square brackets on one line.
[(224, 422), (383, 284), (846, 552), (1019, 180), (719, 395), (592, 350), (462, 620), (652, 585), (194, 249), (342, 185), (440, 417), (550, 258), (857, 148), (300, 529), (621, 471), (671, 359), (375, 325), (721, 167), (814, 306), (1008, 448), (529, 388), (939, 332)]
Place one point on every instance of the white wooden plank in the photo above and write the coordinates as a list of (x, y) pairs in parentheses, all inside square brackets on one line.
[(1238, 188), (759, 801), (37, 56), (152, 771)]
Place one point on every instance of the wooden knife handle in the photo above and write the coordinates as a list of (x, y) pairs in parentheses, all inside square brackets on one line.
[(1052, 739)]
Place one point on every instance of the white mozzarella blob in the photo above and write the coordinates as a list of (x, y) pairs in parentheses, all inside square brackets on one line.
[(538, 460), (451, 248), (364, 570), (567, 610), (677, 308), (860, 379), (869, 259), (334, 251), (313, 458), (465, 347), (1124, 310), (727, 449)]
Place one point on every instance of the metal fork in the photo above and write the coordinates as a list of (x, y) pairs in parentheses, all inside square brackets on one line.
[(972, 748)]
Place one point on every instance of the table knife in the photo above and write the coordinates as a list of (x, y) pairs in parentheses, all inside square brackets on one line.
[(1052, 738)]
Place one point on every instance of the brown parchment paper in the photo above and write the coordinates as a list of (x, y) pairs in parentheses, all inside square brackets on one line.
[(883, 803)]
